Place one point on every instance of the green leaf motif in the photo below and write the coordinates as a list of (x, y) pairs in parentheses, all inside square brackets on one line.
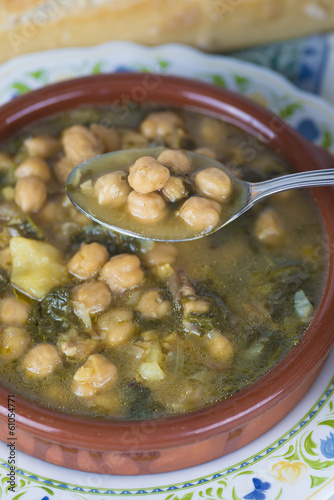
[(244, 472), (289, 110), (292, 454), (209, 492), (169, 496), (218, 80), (21, 88), (310, 445), (187, 496), (19, 495), (327, 143), (234, 495), (50, 492), (331, 406), (37, 74), (242, 82), (327, 422), (97, 68), (316, 481), (163, 64), (317, 464), (279, 495), (219, 493), (290, 450), (145, 69)]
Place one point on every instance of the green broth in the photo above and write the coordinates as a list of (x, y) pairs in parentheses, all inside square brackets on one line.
[(253, 288)]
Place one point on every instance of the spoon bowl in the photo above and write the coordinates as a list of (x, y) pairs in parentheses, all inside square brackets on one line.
[(80, 190)]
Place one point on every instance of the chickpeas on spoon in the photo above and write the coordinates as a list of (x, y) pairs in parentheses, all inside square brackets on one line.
[(170, 195)]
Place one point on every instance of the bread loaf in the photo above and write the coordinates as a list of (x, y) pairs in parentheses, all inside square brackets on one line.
[(214, 25)]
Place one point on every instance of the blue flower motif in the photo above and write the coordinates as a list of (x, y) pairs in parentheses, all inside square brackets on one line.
[(259, 486), (309, 129), (122, 69), (45, 498), (327, 446)]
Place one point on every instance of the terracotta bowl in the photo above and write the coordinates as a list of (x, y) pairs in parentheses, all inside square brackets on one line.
[(154, 446)]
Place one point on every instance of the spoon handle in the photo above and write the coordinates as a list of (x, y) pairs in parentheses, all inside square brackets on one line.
[(260, 190)]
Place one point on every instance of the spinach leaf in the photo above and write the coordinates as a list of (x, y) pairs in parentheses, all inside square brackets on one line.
[(114, 242), (27, 227), (52, 314), (141, 403), (287, 278)]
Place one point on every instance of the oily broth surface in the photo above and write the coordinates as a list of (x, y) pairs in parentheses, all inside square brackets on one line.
[(252, 287)]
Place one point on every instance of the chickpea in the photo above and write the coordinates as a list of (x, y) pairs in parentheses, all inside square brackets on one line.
[(74, 347), (195, 306), (6, 161), (14, 341), (153, 305), (214, 183), (8, 193), (62, 168), (175, 159), (219, 347), (42, 360), (95, 296), (116, 327), (149, 335), (131, 140), (213, 131), (13, 311), (268, 228), (282, 197), (30, 194), (6, 234), (205, 151), (87, 262), (95, 375), (80, 144), (122, 272), (34, 166), (6, 259), (51, 212), (201, 214), (160, 124), (112, 189), (43, 146), (108, 401), (108, 135), (160, 254), (147, 207), (147, 175), (175, 189)]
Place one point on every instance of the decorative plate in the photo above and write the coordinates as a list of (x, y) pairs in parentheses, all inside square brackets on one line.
[(296, 458)]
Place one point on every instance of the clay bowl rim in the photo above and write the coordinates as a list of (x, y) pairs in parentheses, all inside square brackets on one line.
[(281, 381)]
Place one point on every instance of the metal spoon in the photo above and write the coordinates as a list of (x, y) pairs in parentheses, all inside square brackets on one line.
[(245, 194)]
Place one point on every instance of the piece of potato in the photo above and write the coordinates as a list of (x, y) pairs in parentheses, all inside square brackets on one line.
[(36, 266)]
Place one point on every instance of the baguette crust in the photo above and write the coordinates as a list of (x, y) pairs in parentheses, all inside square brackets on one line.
[(215, 25)]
